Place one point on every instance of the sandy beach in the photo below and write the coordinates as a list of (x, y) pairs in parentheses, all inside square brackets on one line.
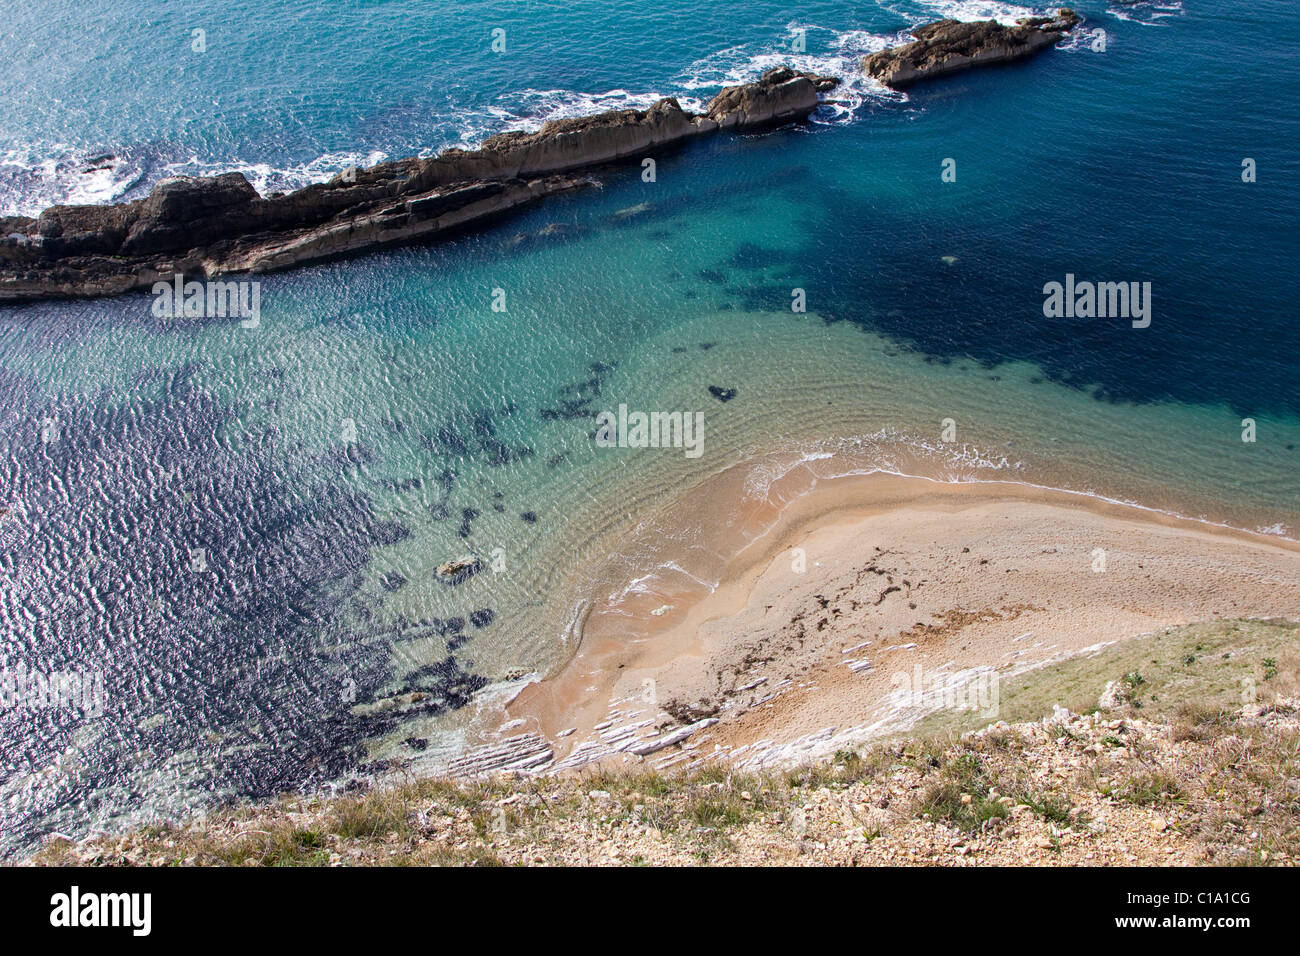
[(825, 613)]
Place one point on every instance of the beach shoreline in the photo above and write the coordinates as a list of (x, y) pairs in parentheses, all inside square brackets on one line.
[(910, 588)]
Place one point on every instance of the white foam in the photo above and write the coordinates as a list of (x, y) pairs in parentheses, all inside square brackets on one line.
[(267, 179), (843, 60), (1147, 14), (531, 109), (965, 10), (962, 462), (45, 175)]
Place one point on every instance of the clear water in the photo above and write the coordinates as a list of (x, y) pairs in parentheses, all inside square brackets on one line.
[(383, 418)]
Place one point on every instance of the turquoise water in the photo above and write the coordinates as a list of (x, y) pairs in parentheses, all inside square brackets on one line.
[(383, 419)]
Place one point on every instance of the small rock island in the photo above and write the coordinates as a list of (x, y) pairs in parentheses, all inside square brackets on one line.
[(950, 46)]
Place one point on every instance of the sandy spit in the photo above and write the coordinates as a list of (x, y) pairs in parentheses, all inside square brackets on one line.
[(850, 610)]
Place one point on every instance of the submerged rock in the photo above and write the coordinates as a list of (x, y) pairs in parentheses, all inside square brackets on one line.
[(631, 211), (458, 570)]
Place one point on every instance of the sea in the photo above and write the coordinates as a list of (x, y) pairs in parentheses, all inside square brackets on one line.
[(220, 539)]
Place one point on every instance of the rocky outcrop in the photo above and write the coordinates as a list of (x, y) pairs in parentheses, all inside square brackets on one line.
[(458, 570), (780, 94), (526, 753), (950, 46), (205, 227)]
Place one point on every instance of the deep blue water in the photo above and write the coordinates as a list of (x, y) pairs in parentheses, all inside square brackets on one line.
[(318, 595)]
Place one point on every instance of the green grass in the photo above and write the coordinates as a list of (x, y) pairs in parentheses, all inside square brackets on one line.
[(1050, 807), (1227, 659), (1146, 788), (962, 796)]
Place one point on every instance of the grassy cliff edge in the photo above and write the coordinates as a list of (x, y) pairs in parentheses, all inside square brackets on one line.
[(1181, 747)]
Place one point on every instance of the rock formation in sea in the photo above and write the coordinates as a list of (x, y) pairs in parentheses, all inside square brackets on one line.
[(212, 226), (203, 227), (950, 46)]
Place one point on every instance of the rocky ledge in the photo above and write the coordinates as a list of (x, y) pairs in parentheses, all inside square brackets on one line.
[(211, 226), (949, 46)]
